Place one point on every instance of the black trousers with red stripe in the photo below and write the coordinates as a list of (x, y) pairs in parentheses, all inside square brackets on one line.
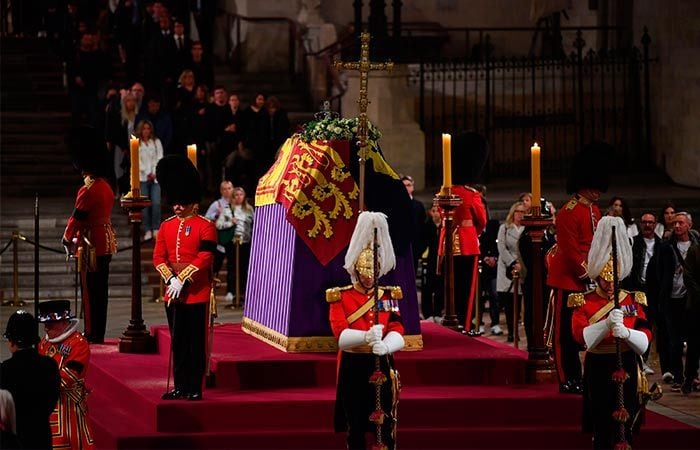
[(566, 349)]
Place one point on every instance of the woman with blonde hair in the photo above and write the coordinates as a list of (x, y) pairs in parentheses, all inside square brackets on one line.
[(120, 125), (150, 152), (243, 220), (509, 261)]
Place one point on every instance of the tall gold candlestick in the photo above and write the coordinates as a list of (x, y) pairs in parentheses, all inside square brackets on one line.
[(536, 194), (446, 162), (134, 153), (192, 153)]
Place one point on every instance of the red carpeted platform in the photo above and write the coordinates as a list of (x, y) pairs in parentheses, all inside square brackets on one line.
[(459, 392)]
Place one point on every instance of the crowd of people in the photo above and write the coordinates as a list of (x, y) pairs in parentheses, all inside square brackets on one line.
[(136, 64), (144, 69), (665, 251)]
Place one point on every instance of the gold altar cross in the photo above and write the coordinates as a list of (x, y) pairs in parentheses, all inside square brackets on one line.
[(364, 66)]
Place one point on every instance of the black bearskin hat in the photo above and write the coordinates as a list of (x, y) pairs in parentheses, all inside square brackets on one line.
[(590, 168), (470, 151), (21, 329), (179, 180), (54, 310), (88, 151)]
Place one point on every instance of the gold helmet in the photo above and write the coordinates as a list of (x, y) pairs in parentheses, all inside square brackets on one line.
[(365, 262), (606, 272)]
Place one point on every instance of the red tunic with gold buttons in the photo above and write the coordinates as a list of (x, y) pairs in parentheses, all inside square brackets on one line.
[(354, 310), (70, 427), (92, 216), (576, 222), (352, 307), (185, 249), (469, 222), (600, 393), (595, 306)]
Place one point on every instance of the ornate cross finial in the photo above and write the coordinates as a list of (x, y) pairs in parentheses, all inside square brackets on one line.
[(364, 66)]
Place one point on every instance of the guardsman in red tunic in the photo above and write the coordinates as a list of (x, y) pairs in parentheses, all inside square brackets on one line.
[(595, 324), (469, 154), (70, 426), (89, 233), (366, 331), (576, 223), (183, 256)]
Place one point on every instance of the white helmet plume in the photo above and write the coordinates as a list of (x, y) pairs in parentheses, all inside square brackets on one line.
[(601, 248), (363, 237)]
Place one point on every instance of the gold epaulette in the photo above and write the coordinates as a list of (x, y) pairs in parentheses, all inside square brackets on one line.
[(571, 204), (88, 181), (170, 218), (205, 218), (333, 294), (576, 300), (640, 297), (395, 291)]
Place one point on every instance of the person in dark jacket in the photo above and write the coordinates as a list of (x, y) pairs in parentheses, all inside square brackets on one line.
[(162, 121), (32, 380), (667, 290), (691, 278)]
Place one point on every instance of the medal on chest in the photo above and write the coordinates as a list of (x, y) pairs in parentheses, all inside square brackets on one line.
[(188, 229), (630, 310)]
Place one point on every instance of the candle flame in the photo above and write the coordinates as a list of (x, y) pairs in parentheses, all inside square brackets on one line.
[(133, 137), (536, 145)]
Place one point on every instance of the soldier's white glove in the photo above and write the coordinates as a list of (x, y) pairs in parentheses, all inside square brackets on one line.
[(174, 288), (380, 348), (620, 331), (638, 341), (392, 342), (615, 317), (374, 334)]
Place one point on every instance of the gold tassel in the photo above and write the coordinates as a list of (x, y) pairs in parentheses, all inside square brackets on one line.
[(212, 303)]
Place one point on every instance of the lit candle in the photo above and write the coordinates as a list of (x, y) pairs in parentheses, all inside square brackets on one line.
[(135, 185), (192, 153), (535, 158), (446, 161)]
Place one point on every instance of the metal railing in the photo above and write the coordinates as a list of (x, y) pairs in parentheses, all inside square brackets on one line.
[(14, 242), (559, 102)]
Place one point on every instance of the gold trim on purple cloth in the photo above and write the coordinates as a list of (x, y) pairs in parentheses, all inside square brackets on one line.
[(309, 344)]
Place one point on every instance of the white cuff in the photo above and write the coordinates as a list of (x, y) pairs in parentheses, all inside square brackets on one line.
[(594, 334), (351, 338), (638, 341)]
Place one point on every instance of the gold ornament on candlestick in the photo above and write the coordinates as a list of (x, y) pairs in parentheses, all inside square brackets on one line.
[(364, 66)]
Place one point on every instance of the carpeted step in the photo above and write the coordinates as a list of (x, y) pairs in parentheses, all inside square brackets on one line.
[(127, 411), (461, 360), (116, 429)]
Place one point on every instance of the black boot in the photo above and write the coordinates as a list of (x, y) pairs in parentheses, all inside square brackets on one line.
[(175, 394)]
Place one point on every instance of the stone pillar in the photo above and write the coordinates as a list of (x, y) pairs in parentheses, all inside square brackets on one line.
[(391, 108), (317, 35)]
